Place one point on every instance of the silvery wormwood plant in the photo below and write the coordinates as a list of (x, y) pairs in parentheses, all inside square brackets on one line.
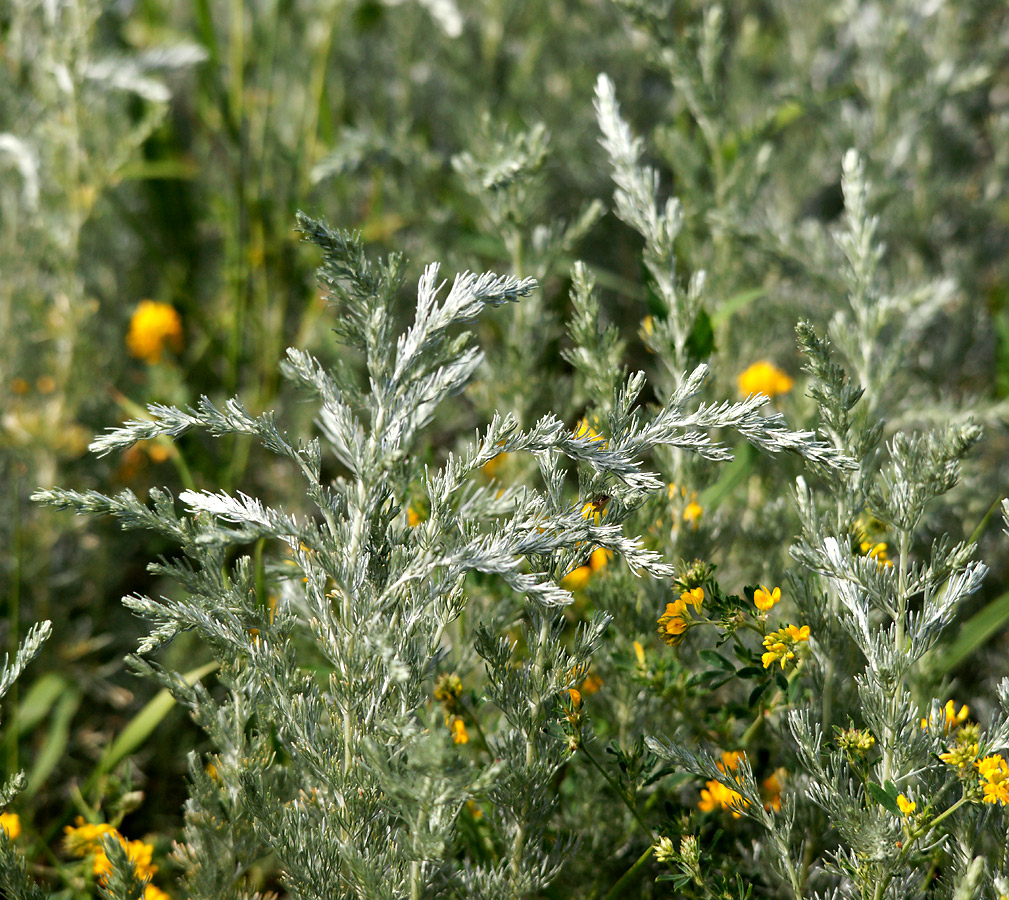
[(329, 635)]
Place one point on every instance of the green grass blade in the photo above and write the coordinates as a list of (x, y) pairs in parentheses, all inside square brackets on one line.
[(55, 743), (975, 633), (140, 727)]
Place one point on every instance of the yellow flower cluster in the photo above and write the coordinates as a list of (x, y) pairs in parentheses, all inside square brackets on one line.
[(960, 756), (693, 511), (950, 718), (715, 795), (781, 645), (458, 729), (448, 692), (86, 839), (877, 552), (770, 790), (490, 468), (576, 579), (764, 599), (855, 742), (676, 620), (995, 779), (764, 377), (152, 326), (584, 430)]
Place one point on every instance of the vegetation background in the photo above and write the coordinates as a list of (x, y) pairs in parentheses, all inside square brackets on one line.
[(160, 151)]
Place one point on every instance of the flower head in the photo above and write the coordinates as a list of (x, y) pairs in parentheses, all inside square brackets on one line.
[(152, 326), (448, 690), (664, 850), (877, 552), (949, 718), (140, 855), (770, 790), (594, 509), (960, 756), (11, 823), (692, 513), (85, 839), (715, 795), (598, 558), (458, 729), (781, 645), (576, 579), (764, 599), (995, 779), (906, 806), (764, 377), (584, 430)]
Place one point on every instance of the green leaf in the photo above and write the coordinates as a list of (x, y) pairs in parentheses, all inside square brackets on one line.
[(39, 699), (735, 303), (756, 693), (716, 659), (883, 798), (55, 744), (701, 343), (732, 475)]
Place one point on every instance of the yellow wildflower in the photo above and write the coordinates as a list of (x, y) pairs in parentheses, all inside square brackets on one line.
[(152, 326), (576, 579), (995, 773), (413, 518), (583, 430), (84, 838), (730, 760), (950, 717), (599, 558), (906, 806), (694, 597), (448, 690), (576, 697), (595, 508), (672, 627), (664, 850), (715, 795), (490, 468), (458, 729), (960, 756), (139, 853), (877, 552), (11, 823), (639, 653), (764, 599), (764, 377), (781, 645), (155, 893), (770, 789), (591, 684), (692, 513)]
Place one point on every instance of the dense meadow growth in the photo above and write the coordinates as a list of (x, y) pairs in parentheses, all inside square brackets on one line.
[(523, 450)]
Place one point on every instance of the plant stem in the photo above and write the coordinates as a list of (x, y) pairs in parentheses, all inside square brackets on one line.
[(620, 792), (628, 876)]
